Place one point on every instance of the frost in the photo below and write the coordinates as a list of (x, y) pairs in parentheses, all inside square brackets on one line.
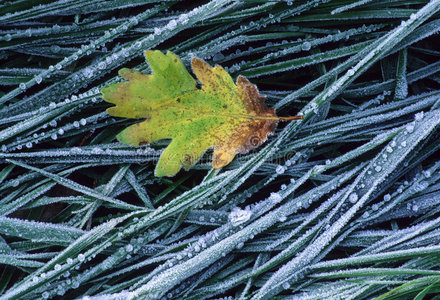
[(353, 197), (275, 198), (218, 56), (419, 116), (410, 127), (38, 79), (306, 46), (81, 257), (239, 216), (172, 25), (280, 169)]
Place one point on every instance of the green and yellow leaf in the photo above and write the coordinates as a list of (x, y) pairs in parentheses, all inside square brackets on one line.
[(231, 118)]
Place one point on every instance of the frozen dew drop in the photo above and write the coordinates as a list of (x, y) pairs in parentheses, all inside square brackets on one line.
[(58, 66), (22, 86), (7, 37), (69, 260), (57, 267), (275, 198), (54, 136), (52, 105), (306, 46), (172, 25), (239, 216), (4, 148), (51, 68), (280, 169), (403, 143), (218, 56), (387, 197), (53, 123), (61, 131), (410, 127), (350, 72), (76, 124), (28, 145), (38, 79), (129, 247), (426, 173), (83, 122), (81, 257), (45, 295), (286, 285), (375, 207), (15, 182), (353, 197), (134, 20), (415, 208), (102, 65), (389, 149), (378, 168), (283, 187), (282, 219)]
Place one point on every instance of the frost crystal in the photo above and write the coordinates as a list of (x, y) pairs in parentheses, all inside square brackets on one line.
[(353, 197), (418, 116), (280, 169), (275, 197), (239, 216)]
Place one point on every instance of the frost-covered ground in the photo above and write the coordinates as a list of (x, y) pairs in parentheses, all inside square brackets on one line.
[(341, 205)]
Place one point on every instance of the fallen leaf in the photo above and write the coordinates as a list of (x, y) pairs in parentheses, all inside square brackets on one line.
[(230, 117)]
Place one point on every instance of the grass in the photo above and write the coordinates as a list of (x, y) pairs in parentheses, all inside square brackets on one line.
[(343, 204)]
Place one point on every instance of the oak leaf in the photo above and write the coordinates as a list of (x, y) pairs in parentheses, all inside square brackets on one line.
[(231, 118)]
